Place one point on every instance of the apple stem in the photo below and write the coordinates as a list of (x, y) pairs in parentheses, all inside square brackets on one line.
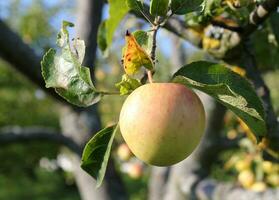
[(149, 74)]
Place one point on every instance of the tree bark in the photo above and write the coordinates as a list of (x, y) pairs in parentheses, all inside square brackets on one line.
[(82, 123), (15, 134)]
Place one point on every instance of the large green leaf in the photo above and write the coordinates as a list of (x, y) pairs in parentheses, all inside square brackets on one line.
[(159, 7), (181, 7), (97, 152), (117, 10), (101, 37), (62, 70), (227, 87)]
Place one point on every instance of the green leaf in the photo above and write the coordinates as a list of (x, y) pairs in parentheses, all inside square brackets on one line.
[(144, 39), (159, 7), (136, 5), (96, 153), (63, 71), (182, 7), (274, 22), (227, 87), (117, 10), (101, 37), (127, 84)]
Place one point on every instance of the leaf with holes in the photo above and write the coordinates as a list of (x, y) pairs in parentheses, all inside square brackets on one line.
[(62, 70)]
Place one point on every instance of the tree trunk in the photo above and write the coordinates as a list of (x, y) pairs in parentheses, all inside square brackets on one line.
[(82, 123)]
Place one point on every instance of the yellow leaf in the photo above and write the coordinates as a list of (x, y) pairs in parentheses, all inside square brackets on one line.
[(239, 70), (134, 56), (210, 43), (248, 131)]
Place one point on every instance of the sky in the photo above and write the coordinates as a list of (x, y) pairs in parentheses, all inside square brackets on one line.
[(164, 42)]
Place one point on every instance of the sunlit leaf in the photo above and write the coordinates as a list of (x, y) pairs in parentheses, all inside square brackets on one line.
[(117, 10), (135, 56)]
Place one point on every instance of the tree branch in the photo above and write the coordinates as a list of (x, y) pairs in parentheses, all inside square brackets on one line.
[(263, 92), (89, 15), (259, 15), (9, 135)]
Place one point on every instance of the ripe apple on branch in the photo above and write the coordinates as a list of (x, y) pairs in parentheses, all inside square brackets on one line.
[(162, 123)]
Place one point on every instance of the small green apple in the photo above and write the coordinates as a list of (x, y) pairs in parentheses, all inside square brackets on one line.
[(123, 152), (135, 171), (162, 123)]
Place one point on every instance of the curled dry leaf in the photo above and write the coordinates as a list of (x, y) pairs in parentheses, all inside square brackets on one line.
[(134, 56)]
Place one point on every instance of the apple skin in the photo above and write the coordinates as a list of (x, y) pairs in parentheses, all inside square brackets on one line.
[(162, 123)]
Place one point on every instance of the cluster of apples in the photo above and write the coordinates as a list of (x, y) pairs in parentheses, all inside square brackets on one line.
[(128, 164), (253, 172)]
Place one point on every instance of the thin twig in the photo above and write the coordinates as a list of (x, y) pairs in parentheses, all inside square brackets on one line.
[(154, 43), (150, 73)]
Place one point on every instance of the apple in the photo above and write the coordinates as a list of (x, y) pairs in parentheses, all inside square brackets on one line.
[(162, 123), (258, 186), (267, 167), (242, 165), (246, 178), (135, 171), (273, 179), (123, 152)]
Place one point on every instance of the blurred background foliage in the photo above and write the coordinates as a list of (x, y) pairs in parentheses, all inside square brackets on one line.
[(32, 171)]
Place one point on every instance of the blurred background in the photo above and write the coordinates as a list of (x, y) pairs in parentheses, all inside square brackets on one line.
[(41, 136)]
